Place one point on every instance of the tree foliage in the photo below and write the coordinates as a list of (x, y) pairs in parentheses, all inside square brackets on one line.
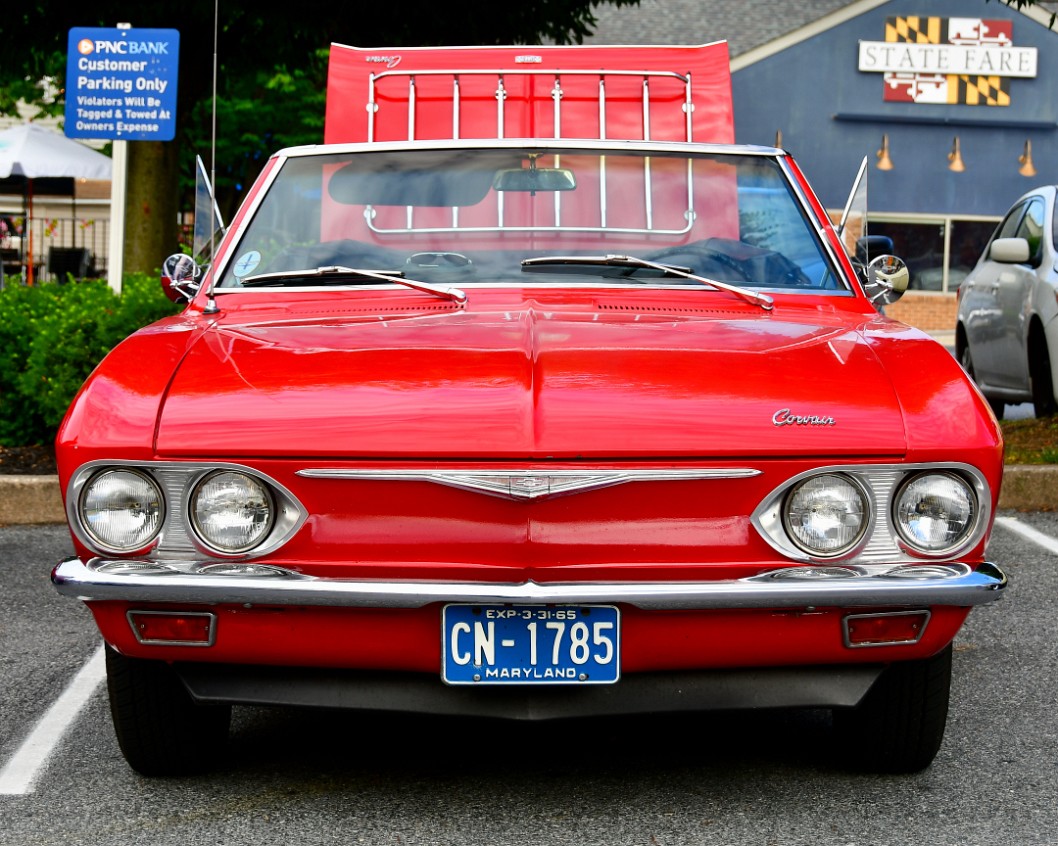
[(1021, 5), (51, 337), (264, 67)]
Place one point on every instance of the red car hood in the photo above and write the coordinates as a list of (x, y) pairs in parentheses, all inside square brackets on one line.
[(531, 384)]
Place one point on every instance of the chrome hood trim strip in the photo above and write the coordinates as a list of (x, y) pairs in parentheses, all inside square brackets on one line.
[(797, 587), (527, 484)]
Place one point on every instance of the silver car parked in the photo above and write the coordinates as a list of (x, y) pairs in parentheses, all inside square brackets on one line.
[(1006, 333)]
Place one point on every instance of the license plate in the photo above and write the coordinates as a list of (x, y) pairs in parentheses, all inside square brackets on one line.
[(530, 644)]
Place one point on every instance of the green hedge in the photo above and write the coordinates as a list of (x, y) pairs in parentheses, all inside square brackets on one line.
[(52, 336)]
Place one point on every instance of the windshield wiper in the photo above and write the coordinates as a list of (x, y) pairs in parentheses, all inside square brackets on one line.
[(763, 300), (337, 274)]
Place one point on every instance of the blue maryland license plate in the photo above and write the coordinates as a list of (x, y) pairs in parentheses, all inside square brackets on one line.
[(530, 644)]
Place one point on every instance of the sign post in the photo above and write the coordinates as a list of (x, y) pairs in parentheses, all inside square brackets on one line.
[(116, 242), (121, 85)]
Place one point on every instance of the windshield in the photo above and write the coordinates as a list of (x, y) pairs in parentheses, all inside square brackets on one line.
[(479, 215)]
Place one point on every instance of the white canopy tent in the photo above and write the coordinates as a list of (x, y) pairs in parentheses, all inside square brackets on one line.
[(33, 152)]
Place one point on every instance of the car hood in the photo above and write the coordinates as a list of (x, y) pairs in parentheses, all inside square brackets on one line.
[(531, 384)]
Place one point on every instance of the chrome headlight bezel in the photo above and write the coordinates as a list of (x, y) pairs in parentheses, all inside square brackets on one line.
[(882, 544), (177, 540), (85, 522)]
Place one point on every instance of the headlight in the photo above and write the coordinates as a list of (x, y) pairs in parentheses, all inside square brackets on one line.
[(826, 515), (232, 512), (935, 511), (122, 510)]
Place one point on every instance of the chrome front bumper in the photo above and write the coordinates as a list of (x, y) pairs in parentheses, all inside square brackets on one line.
[(792, 587)]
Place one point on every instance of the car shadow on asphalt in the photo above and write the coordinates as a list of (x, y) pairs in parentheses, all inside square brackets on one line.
[(400, 746)]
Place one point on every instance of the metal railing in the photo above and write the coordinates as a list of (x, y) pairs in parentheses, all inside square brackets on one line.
[(502, 79), (47, 249)]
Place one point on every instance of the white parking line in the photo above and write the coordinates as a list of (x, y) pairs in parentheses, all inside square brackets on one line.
[(18, 775), (1029, 533)]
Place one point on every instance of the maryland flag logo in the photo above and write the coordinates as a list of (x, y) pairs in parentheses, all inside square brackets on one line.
[(948, 88)]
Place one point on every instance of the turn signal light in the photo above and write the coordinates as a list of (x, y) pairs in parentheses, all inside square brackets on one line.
[(887, 629), (181, 628)]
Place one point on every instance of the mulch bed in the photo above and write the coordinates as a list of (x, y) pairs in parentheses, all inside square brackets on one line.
[(27, 460)]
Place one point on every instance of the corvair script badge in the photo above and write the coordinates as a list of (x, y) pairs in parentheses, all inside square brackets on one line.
[(785, 417), (529, 484)]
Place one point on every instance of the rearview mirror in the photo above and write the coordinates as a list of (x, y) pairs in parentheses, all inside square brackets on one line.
[(535, 179)]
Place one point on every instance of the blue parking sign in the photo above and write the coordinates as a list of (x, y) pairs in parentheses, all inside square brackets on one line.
[(121, 83)]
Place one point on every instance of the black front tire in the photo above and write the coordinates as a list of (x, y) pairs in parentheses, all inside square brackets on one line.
[(160, 729), (1043, 402), (899, 725)]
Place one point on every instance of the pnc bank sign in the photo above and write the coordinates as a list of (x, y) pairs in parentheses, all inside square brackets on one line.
[(86, 46), (121, 83), (968, 61)]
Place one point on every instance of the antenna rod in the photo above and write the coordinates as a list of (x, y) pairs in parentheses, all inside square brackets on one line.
[(211, 303)]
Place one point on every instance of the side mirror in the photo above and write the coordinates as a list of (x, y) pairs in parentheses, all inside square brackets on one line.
[(1009, 250), (180, 277), (887, 279)]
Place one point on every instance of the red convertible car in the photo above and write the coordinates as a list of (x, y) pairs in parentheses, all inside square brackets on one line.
[(531, 426)]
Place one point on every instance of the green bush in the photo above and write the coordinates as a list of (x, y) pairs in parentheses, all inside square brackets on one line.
[(52, 336)]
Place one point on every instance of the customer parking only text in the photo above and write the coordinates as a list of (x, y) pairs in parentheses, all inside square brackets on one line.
[(127, 113)]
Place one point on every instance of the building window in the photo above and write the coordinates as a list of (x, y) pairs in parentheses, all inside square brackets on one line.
[(939, 251)]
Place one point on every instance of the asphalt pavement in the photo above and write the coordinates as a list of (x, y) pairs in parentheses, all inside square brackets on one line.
[(290, 776)]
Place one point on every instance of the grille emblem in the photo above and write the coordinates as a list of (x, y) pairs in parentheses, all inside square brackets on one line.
[(529, 484)]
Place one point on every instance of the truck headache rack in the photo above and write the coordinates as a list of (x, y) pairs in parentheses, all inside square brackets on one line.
[(672, 94)]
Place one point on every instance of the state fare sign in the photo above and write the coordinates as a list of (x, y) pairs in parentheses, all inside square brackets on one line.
[(121, 83), (983, 60)]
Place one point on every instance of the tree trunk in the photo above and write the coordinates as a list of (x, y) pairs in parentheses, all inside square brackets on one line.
[(151, 206)]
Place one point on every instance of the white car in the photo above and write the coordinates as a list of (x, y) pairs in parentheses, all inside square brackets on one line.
[(1006, 333)]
